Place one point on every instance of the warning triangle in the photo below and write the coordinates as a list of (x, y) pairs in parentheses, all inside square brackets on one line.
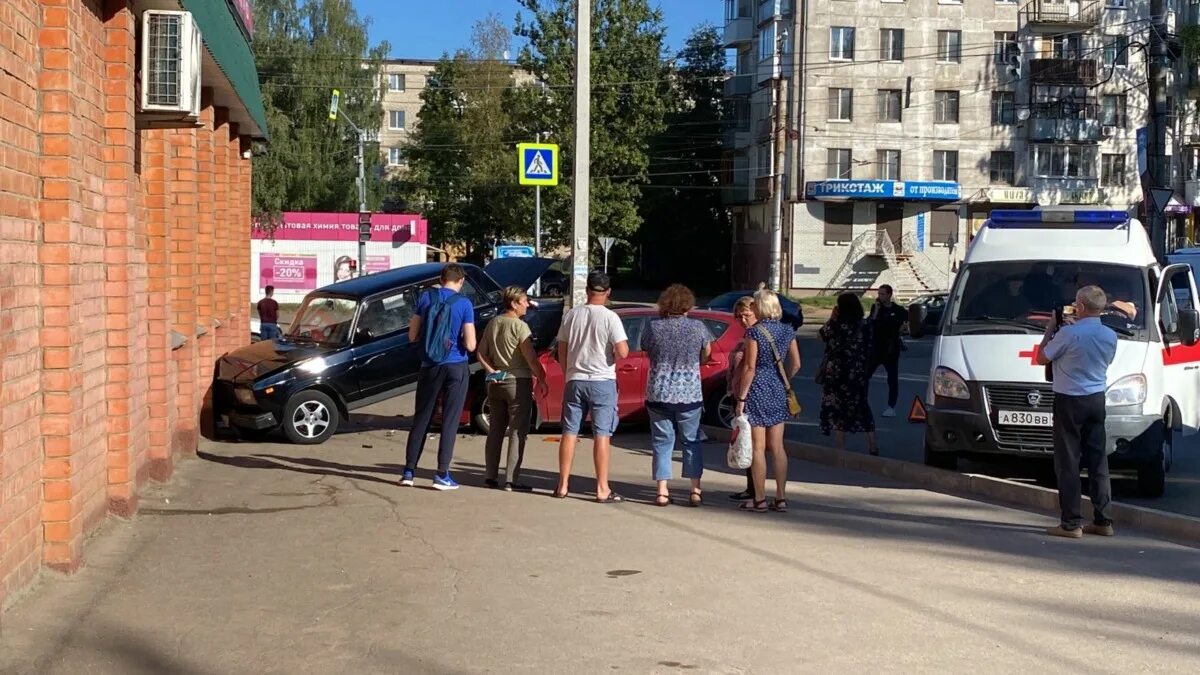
[(916, 413), (537, 166)]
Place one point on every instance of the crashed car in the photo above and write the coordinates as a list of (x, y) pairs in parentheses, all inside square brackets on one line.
[(346, 348)]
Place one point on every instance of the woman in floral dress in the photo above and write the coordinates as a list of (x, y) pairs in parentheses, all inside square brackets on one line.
[(844, 405)]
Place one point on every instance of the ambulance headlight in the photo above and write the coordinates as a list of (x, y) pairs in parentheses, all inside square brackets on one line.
[(949, 384), (1129, 390)]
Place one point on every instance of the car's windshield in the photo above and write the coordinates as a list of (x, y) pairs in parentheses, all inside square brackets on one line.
[(324, 319), (1023, 295)]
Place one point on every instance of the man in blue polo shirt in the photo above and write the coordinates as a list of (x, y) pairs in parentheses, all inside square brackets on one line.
[(1081, 353), (448, 375)]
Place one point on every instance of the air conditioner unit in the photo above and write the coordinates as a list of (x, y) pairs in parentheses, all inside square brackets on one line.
[(1108, 131), (169, 81)]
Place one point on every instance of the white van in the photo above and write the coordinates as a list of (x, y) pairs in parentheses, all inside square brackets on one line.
[(987, 394)]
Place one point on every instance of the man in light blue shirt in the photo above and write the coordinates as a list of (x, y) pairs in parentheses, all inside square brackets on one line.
[(1081, 352)]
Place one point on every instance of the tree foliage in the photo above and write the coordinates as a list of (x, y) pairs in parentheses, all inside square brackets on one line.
[(303, 50), (682, 205)]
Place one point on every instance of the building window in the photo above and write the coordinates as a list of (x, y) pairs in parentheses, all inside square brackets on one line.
[(1064, 161), (945, 165), (1004, 43), (396, 157), (949, 46), (890, 105), (1116, 50), (841, 105), (891, 44), (945, 107), (396, 82), (1112, 170), (1001, 167), (396, 119), (839, 223), (1062, 47), (887, 163), (839, 163), (1112, 110), (841, 43), (1004, 108), (766, 42)]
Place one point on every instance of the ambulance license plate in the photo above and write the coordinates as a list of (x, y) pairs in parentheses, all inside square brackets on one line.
[(1024, 418)]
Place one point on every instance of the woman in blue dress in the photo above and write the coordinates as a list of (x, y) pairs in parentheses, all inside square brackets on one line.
[(762, 396)]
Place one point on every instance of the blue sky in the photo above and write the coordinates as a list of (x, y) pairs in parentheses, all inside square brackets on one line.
[(426, 28)]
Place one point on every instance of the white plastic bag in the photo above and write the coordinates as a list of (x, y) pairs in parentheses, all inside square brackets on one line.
[(741, 452)]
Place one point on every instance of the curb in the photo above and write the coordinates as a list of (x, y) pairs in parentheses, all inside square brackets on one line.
[(1172, 526)]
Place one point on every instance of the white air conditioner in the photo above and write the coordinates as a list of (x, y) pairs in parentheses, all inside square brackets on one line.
[(1108, 131), (169, 81)]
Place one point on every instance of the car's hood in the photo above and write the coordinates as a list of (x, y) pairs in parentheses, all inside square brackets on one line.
[(520, 272), (253, 361)]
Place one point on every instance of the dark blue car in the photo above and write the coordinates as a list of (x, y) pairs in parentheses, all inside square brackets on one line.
[(792, 314)]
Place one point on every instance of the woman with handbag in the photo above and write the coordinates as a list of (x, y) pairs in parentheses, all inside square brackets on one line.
[(743, 311), (844, 372), (765, 395)]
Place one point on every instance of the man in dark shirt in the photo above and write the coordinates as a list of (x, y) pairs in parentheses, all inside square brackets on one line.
[(268, 316), (886, 320)]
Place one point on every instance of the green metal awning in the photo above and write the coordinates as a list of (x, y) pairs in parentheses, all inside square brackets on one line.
[(230, 50)]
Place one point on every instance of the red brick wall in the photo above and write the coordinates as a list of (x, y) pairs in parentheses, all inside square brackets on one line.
[(110, 238)]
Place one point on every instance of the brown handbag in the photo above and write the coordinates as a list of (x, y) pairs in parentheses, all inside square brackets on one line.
[(794, 407)]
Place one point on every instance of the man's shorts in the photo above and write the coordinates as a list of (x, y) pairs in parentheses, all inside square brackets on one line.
[(596, 396)]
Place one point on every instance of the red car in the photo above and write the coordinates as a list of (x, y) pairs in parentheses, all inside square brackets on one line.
[(631, 375)]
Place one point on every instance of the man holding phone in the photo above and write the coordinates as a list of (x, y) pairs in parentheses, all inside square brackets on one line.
[(1080, 352)]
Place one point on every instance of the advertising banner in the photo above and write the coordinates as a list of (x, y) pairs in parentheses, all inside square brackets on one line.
[(378, 263), (288, 272)]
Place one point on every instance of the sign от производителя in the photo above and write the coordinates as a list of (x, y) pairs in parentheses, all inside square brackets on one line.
[(932, 191)]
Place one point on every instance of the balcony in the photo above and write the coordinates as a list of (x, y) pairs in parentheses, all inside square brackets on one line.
[(1059, 129), (1191, 192), (739, 30), (1063, 13), (1078, 72), (734, 138), (763, 186), (773, 10), (740, 84)]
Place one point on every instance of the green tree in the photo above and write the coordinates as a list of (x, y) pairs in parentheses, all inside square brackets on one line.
[(303, 50), (462, 156), (682, 206), (629, 101)]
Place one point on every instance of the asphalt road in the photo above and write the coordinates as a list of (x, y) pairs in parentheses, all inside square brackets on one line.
[(900, 439)]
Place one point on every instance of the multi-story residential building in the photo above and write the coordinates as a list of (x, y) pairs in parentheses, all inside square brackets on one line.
[(909, 120), (402, 80)]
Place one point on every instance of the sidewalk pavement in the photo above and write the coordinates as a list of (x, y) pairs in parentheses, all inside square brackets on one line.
[(271, 558)]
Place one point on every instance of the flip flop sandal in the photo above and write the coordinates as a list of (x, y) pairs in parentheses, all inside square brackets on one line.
[(695, 499), (559, 495), (612, 498), (663, 500), (759, 507), (779, 505)]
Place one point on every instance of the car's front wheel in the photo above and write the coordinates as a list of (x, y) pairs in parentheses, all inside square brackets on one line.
[(482, 417), (310, 417), (720, 410)]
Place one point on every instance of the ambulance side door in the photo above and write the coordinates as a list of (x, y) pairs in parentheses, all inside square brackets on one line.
[(1176, 313)]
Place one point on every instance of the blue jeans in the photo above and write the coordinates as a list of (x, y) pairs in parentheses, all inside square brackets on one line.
[(270, 331), (664, 425)]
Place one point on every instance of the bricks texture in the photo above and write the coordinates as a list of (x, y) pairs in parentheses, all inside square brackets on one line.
[(111, 238)]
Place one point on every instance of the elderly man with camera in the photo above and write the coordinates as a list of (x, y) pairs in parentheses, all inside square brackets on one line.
[(1080, 352)]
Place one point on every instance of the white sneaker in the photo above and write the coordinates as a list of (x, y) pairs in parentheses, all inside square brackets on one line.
[(889, 412)]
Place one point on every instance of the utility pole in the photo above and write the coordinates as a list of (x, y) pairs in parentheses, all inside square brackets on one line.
[(1156, 159), (583, 121), (775, 282), (364, 218)]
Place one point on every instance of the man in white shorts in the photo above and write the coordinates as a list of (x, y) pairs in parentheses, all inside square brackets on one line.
[(590, 341)]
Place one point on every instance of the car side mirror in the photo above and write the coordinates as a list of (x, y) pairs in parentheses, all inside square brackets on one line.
[(363, 335), (1189, 326), (916, 320)]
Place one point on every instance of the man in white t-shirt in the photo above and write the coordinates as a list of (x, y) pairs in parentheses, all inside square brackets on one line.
[(590, 341)]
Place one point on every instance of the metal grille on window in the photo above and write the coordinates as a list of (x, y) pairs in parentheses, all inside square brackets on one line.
[(165, 60)]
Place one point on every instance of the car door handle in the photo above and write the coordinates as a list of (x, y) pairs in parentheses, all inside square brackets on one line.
[(627, 369)]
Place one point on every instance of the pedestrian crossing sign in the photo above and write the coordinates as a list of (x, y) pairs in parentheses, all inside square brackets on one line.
[(538, 163)]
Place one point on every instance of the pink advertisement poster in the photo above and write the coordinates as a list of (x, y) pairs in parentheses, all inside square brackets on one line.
[(391, 228), (378, 263), (288, 272)]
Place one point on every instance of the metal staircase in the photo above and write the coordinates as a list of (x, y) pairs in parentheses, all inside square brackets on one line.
[(913, 272)]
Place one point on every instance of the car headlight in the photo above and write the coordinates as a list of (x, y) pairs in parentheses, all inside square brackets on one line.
[(1129, 390), (316, 366), (244, 396), (949, 384)]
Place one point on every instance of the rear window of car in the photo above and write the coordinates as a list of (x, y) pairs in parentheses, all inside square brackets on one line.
[(716, 327)]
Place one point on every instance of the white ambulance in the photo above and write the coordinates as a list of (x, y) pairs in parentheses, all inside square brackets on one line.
[(987, 394)]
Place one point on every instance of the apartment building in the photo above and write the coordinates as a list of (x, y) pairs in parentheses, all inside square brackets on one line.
[(402, 80), (909, 120)]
